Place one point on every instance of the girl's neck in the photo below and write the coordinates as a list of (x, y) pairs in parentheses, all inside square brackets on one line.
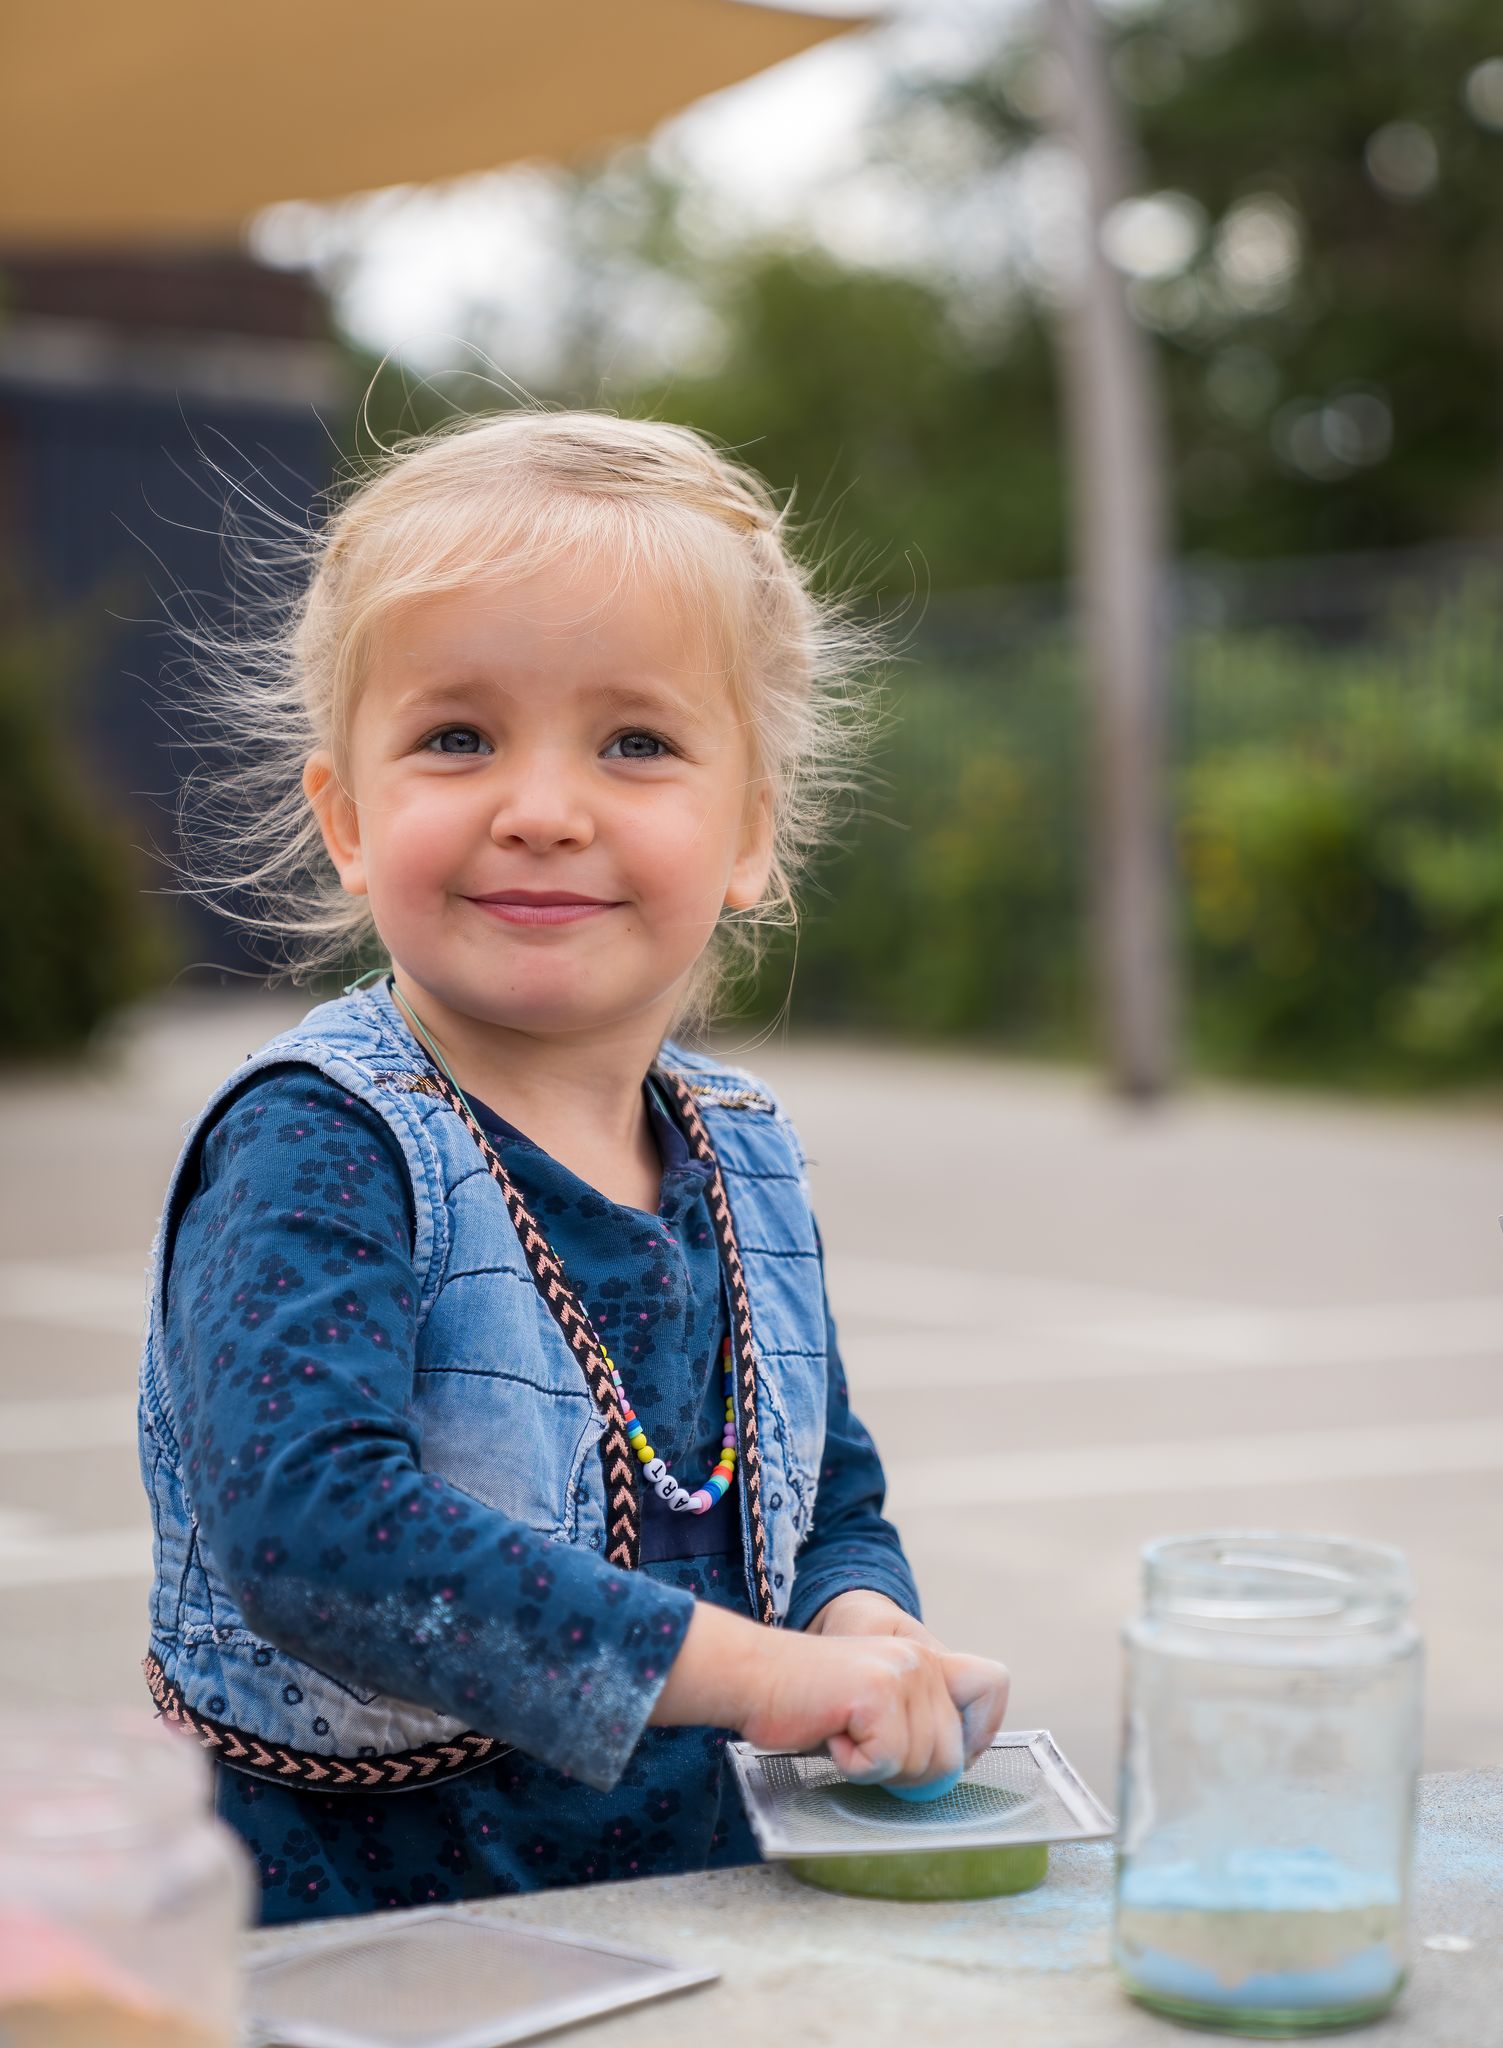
[(579, 1097)]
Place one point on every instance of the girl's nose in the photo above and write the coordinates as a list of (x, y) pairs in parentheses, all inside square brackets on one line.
[(540, 807)]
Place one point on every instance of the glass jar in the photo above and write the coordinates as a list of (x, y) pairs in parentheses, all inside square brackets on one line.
[(1270, 1753), (122, 1899)]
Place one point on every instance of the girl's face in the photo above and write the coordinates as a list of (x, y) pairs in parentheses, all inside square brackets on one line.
[(549, 800)]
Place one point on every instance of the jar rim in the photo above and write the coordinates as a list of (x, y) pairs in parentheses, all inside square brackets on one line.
[(1275, 1582)]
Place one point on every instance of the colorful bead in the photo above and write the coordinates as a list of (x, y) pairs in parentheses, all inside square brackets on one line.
[(655, 1469)]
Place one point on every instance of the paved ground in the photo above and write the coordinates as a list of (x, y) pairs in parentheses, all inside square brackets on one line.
[(1070, 1328)]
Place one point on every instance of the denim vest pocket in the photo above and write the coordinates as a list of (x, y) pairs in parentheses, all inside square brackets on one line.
[(481, 1431)]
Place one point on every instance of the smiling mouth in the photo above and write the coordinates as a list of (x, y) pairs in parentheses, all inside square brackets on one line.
[(515, 908)]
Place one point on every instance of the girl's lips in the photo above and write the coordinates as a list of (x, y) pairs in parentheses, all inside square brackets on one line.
[(542, 913)]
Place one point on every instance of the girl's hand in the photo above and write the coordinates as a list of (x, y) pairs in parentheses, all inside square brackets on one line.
[(978, 1687), (885, 1706), (880, 1705), (865, 1613)]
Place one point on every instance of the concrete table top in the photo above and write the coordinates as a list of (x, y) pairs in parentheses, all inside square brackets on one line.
[(809, 1968)]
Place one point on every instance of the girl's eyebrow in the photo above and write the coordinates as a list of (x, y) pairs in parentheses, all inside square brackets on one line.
[(633, 696), (621, 696), (448, 690)]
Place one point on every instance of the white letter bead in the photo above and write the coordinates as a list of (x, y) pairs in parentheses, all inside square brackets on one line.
[(655, 1469)]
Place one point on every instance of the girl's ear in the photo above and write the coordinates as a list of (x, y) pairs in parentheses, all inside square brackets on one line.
[(338, 819), (753, 864)]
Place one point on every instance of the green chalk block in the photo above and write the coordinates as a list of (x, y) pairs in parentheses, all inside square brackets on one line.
[(929, 1873)]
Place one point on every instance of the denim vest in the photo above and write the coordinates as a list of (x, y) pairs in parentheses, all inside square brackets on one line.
[(472, 1311)]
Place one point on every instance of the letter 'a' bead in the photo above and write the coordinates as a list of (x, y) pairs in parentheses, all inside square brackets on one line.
[(680, 1499)]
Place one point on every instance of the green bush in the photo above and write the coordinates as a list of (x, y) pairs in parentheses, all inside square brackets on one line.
[(1338, 816), (1346, 908), (77, 938), (953, 905)]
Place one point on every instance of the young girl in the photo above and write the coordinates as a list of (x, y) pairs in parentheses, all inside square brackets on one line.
[(497, 1441)]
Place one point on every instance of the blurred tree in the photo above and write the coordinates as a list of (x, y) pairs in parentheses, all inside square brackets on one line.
[(1319, 245), (79, 937), (919, 456), (934, 460)]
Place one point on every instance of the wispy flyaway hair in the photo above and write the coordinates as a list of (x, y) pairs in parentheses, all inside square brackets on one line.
[(482, 498)]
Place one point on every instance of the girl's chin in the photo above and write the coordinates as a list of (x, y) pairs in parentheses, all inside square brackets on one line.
[(541, 1005)]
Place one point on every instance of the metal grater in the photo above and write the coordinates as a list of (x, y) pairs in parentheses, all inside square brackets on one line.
[(1020, 1791), (441, 1979)]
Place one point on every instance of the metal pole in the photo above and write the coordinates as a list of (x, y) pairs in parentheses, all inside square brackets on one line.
[(1117, 458)]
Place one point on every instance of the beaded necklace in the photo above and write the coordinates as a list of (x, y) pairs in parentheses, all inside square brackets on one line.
[(654, 1468)]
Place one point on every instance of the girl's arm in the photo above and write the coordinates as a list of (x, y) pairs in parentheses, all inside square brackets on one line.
[(292, 1324)]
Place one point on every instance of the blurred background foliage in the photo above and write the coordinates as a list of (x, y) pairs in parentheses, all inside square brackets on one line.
[(1316, 245), (78, 935), (1338, 821)]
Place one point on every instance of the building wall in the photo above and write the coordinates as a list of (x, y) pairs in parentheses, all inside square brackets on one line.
[(147, 408)]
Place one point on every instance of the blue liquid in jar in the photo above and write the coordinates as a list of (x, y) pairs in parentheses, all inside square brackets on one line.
[(1260, 1931)]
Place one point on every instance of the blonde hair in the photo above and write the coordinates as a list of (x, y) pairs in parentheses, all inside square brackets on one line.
[(522, 489)]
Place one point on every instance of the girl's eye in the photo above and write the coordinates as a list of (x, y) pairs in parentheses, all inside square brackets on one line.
[(639, 746), (466, 740)]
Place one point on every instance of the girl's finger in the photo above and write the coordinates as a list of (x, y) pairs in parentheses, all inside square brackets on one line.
[(845, 1755), (947, 1747), (935, 1735), (979, 1688), (861, 1762), (872, 1747)]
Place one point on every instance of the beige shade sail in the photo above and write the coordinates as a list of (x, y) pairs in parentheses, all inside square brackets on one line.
[(172, 120)]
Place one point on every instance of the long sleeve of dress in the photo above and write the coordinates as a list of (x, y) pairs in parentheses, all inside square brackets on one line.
[(292, 1324), (851, 1545)]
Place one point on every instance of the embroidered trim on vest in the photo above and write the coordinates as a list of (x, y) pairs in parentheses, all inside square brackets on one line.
[(623, 1503), (726, 1094), (434, 1763), (741, 1334)]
